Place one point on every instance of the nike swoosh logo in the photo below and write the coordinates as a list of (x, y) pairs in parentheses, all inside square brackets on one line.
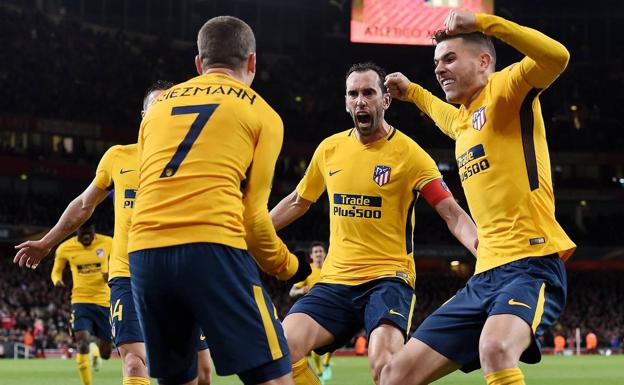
[(331, 173), (122, 171), (392, 311), (516, 303)]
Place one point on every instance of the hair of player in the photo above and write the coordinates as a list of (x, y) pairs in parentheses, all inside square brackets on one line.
[(225, 41), (159, 85), (476, 38), (370, 66), (316, 244)]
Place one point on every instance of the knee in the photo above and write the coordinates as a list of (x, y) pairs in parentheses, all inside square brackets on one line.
[(378, 365), (390, 374), (493, 351), (82, 344), (134, 366)]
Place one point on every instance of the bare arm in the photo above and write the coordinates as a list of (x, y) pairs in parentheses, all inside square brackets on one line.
[(57, 271), (30, 253), (288, 210), (459, 223)]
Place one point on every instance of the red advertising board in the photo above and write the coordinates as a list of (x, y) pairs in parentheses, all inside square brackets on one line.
[(405, 21)]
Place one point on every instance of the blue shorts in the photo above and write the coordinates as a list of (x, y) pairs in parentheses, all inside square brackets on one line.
[(92, 318), (344, 309), (124, 320), (523, 288), (179, 289)]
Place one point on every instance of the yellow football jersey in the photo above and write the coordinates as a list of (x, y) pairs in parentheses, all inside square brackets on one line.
[(371, 189), (87, 265), (119, 170), (207, 152), (501, 150), (312, 279)]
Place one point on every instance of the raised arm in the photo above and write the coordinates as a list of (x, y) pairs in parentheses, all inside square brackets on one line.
[(269, 251), (30, 253), (441, 112)]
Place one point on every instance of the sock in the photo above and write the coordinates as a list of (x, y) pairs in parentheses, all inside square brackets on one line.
[(326, 359), (303, 374), (84, 368), (511, 376), (136, 381), (317, 363), (94, 350)]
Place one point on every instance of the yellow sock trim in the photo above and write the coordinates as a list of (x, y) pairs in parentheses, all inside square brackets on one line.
[(84, 368), (511, 376), (94, 350), (303, 374), (318, 365), (326, 358), (136, 381)]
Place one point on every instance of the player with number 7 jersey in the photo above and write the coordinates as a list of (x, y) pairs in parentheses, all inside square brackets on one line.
[(207, 151)]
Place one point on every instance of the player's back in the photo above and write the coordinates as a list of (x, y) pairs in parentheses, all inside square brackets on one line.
[(196, 144)]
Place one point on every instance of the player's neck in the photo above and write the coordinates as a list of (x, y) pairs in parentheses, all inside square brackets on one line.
[(379, 133), (224, 70)]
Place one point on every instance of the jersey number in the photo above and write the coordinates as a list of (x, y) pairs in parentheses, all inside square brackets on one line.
[(204, 112)]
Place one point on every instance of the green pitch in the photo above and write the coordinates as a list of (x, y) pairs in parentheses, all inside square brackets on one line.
[(582, 370)]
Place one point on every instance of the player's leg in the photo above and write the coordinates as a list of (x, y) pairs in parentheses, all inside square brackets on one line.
[(531, 294), (384, 342), (204, 362), (82, 339), (103, 346), (171, 334), (223, 289), (127, 333), (318, 364), (322, 320), (327, 370), (303, 334)]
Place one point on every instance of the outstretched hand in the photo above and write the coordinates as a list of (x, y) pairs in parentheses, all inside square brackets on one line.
[(30, 253), (459, 21), (397, 84)]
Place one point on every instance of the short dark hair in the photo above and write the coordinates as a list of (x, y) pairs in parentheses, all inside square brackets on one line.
[(225, 40), (476, 38), (370, 66), (158, 85), (315, 244)]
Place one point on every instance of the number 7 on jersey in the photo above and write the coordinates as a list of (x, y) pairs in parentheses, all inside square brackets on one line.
[(204, 112)]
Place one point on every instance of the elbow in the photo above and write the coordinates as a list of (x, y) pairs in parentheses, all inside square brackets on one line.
[(560, 57)]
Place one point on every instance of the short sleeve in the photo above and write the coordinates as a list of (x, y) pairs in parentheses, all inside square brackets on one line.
[(424, 168), (104, 173), (312, 185)]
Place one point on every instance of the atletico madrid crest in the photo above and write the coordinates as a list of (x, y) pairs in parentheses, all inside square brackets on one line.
[(99, 253), (381, 175), (478, 119)]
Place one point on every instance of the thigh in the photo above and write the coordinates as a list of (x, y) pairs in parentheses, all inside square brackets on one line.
[(125, 327), (304, 334), (389, 301), (101, 323), (169, 328), (331, 307), (80, 319), (416, 363), (534, 290), (453, 330), (225, 294)]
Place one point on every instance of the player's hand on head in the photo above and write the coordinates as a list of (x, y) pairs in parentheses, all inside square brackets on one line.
[(459, 21), (30, 254), (397, 84), (303, 270)]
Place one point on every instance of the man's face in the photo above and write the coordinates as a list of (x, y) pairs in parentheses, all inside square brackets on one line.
[(457, 69), (366, 103), (86, 235), (318, 255)]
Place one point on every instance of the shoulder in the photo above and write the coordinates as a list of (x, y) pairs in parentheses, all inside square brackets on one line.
[(66, 245), (338, 138), (104, 239)]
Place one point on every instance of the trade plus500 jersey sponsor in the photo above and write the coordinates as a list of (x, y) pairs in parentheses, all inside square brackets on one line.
[(467, 167), (357, 206)]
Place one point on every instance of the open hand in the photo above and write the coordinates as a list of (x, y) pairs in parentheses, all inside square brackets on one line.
[(30, 253)]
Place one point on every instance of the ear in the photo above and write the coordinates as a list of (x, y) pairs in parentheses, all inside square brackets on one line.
[(387, 99), (251, 63), (485, 61), (198, 66)]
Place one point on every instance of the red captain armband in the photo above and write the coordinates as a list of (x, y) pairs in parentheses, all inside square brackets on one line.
[(435, 191)]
